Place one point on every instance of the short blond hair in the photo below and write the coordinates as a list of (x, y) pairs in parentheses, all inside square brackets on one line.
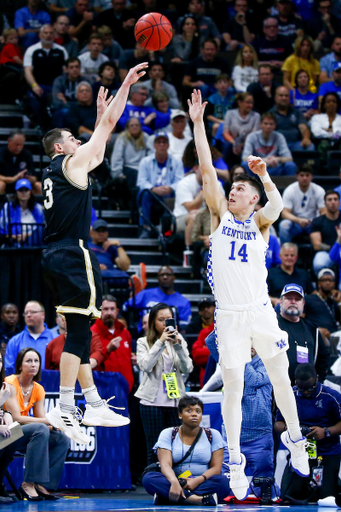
[(9, 32)]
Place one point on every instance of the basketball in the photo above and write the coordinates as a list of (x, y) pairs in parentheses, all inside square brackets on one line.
[(153, 31)]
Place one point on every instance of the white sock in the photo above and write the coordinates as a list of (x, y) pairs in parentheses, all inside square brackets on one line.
[(232, 409), (92, 397), (67, 399)]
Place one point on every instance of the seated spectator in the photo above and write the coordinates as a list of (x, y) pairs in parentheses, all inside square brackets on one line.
[(116, 342), (57, 7), (206, 485), (130, 147), (11, 60), (264, 90), (320, 419), (161, 118), (326, 127), (160, 351), (328, 62), (271, 146), (186, 43), (60, 327), (45, 448), (305, 341), (64, 91), (136, 107), (156, 83), (201, 243), (29, 20), (320, 307), (200, 352), (289, 24), (121, 21), (240, 29), (82, 114), (323, 233), (287, 272), (238, 123), (201, 72), (62, 37), (203, 318), (82, 21), (9, 326), (132, 57), (323, 26), (55, 348), (333, 85), (302, 202), (273, 48), (111, 48), (36, 335), (190, 161), (302, 58), (108, 78), (305, 10), (178, 139), (22, 221), (164, 293), (301, 98), (16, 163), (245, 70), (93, 58), (219, 102), (159, 173), (207, 29), (291, 123), (113, 260), (43, 62)]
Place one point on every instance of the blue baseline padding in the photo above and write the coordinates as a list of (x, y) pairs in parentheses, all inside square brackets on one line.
[(105, 463)]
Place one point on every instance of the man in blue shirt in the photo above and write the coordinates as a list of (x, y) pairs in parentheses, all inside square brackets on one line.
[(163, 293), (334, 86), (36, 335), (327, 62), (28, 21), (135, 107), (319, 412)]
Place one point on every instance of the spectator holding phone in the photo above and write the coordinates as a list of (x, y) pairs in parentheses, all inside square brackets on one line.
[(163, 357)]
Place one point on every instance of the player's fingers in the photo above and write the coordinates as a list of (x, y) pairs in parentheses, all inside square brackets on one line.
[(143, 65)]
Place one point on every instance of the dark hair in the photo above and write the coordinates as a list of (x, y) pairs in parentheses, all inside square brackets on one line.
[(109, 298), (20, 358), (232, 171), (152, 335), (222, 76), (186, 400), (8, 305), (324, 99), (189, 159), (51, 138), (156, 63), (72, 59), (159, 96), (210, 40), (268, 115), (95, 35), (305, 168), (305, 371), (267, 66), (331, 192), (195, 41), (109, 63), (245, 178), (299, 72), (30, 203), (15, 131), (241, 96)]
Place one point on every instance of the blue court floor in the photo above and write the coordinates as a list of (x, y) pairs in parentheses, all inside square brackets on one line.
[(137, 501)]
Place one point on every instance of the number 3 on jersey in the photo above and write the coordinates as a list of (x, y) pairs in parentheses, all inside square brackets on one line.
[(48, 186), (242, 252)]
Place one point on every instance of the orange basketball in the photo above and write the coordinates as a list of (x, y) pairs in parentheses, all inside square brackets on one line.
[(153, 31)]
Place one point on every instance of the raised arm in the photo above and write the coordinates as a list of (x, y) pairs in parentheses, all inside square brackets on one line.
[(214, 198)]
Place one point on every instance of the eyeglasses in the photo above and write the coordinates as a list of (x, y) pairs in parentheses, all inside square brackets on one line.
[(304, 199), (270, 26), (165, 275), (309, 389), (32, 312)]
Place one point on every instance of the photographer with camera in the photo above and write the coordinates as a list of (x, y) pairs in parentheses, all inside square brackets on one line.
[(163, 357), (190, 461), (319, 413)]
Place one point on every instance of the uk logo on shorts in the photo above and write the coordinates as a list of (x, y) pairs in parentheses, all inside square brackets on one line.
[(281, 344)]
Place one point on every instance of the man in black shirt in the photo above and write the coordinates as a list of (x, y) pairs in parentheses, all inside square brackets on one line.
[(289, 25), (241, 29), (9, 326), (306, 344), (272, 48), (320, 307), (121, 21), (82, 20), (16, 162), (323, 234), (287, 273), (264, 90), (72, 270)]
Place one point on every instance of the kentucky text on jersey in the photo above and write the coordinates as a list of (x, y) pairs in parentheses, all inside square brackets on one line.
[(234, 233)]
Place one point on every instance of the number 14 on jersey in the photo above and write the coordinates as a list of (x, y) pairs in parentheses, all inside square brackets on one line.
[(242, 253)]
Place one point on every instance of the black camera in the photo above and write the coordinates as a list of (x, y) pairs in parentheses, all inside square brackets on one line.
[(305, 430), (182, 482), (266, 484)]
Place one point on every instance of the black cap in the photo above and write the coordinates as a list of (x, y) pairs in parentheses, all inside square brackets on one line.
[(206, 302), (100, 223)]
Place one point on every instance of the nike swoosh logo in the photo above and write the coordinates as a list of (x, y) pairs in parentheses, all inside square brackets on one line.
[(265, 303)]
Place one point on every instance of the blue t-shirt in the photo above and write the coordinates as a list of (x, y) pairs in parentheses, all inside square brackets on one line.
[(272, 258), (106, 257), (198, 461), (303, 102), (221, 104), (305, 8), (25, 19), (338, 189), (329, 87)]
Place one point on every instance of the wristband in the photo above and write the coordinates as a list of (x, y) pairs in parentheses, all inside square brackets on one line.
[(204, 477), (118, 246), (34, 85), (327, 432), (265, 179)]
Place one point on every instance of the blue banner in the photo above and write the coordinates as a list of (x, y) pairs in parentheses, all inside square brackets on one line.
[(104, 462)]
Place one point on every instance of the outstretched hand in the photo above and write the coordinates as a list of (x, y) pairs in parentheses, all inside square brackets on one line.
[(135, 73), (102, 101), (257, 165), (196, 106)]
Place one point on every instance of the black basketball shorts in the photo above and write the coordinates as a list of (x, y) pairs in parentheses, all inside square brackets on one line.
[(73, 275)]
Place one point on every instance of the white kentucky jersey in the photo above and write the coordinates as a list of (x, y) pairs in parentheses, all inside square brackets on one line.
[(236, 268)]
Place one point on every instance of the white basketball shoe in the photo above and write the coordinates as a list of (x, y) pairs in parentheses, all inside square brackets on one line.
[(298, 455), (238, 482), (69, 423), (103, 416)]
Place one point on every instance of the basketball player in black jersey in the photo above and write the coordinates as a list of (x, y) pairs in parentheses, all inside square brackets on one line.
[(71, 270)]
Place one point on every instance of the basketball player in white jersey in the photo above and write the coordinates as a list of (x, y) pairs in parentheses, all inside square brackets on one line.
[(244, 316)]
